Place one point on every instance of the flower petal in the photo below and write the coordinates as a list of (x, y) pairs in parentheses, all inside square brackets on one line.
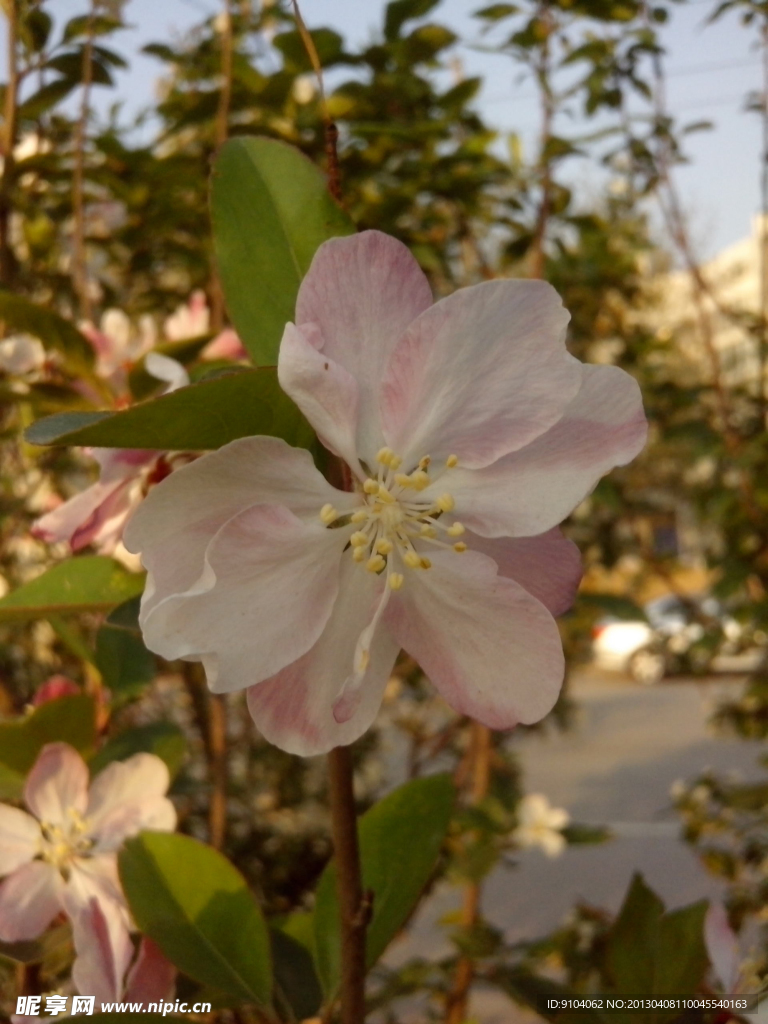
[(30, 898), (722, 946), (152, 977), (93, 878), (534, 489), (57, 783), (480, 374), (294, 709), (325, 392), (174, 525), (129, 796), (491, 649), (265, 594), (362, 292), (104, 951), (19, 838), (548, 566)]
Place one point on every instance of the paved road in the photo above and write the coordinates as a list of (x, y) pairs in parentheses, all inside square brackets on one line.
[(614, 767)]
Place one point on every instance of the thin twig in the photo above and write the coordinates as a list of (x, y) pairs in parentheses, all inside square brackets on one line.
[(210, 718), (354, 904), (542, 71), (221, 134), (79, 264), (7, 260)]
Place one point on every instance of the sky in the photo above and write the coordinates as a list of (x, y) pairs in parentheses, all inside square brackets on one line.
[(711, 70)]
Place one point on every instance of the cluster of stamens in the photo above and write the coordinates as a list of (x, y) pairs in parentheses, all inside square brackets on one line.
[(394, 515), (62, 843)]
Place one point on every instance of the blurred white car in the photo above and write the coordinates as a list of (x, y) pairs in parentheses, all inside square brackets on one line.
[(675, 634)]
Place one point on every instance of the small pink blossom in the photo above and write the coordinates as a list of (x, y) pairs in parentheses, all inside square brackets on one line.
[(226, 345), (191, 320), (118, 344), (63, 854), (468, 432), (54, 688)]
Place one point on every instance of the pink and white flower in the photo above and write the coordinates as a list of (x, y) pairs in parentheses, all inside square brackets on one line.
[(119, 344), (467, 432), (63, 854), (193, 320)]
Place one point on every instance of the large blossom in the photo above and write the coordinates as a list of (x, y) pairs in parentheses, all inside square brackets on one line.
[(468, 433), (63, 854)]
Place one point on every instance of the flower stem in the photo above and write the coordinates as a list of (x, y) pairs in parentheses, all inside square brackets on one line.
[(353, 906)]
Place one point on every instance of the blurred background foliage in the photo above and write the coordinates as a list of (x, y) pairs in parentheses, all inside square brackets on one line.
[(97, 212)]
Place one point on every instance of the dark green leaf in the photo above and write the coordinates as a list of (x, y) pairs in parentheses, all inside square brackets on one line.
[(271, 210), (125, 664), (85, 583), (329, 46), (400, 11), (87, 24), (633, 938), (196, 906), (11, 783), (19, 314), (44, 99), (163, 739), (126, 615), (400, 839), (201, 416), (66, 720), (295, 975)]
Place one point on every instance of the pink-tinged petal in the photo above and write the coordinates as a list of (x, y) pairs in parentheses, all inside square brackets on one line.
[(54, 689), (190, 320), (93, 878), (19, 838), (166, 369), (30, 898), (722, 946), (152, 978), (127, 797), (479, 374), (362, 292), (325, 392), (266, 591), (104, 951), (175, 523), (491, 649), (532, 490), (294, 709), (57, 784), (548, 566), (105, 527), (71, 516), (226, 345)]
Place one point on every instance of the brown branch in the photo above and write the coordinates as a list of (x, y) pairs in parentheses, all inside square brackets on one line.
[(542, 71), (210, 718), (7, 259), (221, 134), (763, 343), (79, 259), (354, 904)]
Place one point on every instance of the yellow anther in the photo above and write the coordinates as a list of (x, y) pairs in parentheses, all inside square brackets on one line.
[(427, 530), (425, 563), (445, 503), (423, 463), (384, 495), (371, 486), (412, 560), (385, 456), (403, 480), (456, 530), (452, 461), (384, 546), (396, 580), (328, 513), (420, 479), (359, 539), (365, 657), (360, 516), (395, 462), (461, 546), (375, 563), (358, 554)]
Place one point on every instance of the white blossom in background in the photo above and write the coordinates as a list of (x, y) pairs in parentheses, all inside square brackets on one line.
[(21, 354), (540, 824)]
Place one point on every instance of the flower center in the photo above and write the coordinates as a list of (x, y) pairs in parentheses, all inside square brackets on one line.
[(394, 517), (64, 842)]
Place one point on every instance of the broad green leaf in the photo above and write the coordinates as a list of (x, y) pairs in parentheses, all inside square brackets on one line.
[(196, 906), (400, 11), (125, 663), (54, 331), (271, 210), (400, 840), (11, 783), (163, 739), (632, 941), (88, 583), (68, 720), (682, 955), (295, 976), (202, 416), (126, 615)]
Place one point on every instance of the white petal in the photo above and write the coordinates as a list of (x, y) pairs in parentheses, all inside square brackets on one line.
[(534, 489), (129, 796), (294, 709), (266, 592), (19, 838), (166, 369), (491, 649), (93, 878), (722, 946), (29, 900), (104, 951), (479, 374), (57, 783), (174, 525)]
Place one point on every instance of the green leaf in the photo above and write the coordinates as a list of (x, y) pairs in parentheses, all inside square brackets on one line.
[(141, 381), (163, 739), (66, 720), (400, 11), (202, 416), (87, 583), (329, 46), (125, 663), (295, 975), (271, 210), (400, 840), (11, 783), (45, 98), (197, 907), (126, 615), (54, 331), (36, 950)]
